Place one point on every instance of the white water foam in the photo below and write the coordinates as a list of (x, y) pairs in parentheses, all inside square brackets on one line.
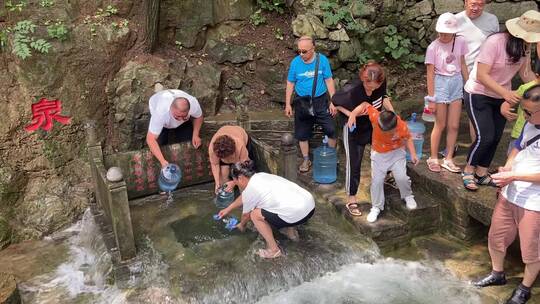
[(83, 277), (387, 281)]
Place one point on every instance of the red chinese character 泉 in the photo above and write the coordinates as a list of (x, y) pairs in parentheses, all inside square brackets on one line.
[(43, 113)]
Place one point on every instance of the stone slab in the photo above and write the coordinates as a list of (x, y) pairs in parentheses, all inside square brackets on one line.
[(141, 168)]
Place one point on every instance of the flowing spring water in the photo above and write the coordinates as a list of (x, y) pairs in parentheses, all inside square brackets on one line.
[(187, 257)]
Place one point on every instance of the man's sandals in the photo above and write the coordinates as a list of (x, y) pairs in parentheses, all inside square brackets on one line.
[(354, 209), (471, 181)]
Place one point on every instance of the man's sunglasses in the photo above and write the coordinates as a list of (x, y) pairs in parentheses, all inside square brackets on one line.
[(303, 51), (529, 113)]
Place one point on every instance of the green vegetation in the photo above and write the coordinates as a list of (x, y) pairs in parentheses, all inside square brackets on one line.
[(272, 5), (257, 18), (23, 40), (278, 34), (46, 3), (58, 31), (339, 13), (16, 6), (400, 48)]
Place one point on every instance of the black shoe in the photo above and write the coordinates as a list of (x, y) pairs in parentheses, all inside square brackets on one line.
[(519, 296), (491, 280)]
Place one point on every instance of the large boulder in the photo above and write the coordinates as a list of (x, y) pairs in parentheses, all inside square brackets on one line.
[(309, 25), (187, 21), (509, 10), (9, 293), (49, 204), (422, 8), (339, 35), (204, 82), (443, 6), (226, 52), (5, 233)]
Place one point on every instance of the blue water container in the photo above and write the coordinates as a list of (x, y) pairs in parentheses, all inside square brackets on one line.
[(224, 198), (325, 163), (169, 178), (417, 130)]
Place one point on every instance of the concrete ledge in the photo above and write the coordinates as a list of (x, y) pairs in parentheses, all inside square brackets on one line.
[(461, 210)]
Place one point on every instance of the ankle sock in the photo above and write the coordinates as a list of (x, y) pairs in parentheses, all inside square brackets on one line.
[(306, 157)]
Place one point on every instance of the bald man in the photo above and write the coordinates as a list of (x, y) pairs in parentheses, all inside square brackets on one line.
[(177, 112), (307, 110)]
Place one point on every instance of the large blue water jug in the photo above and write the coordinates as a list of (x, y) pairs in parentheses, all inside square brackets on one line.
[(169, 178), (325, 163), (224, 198), (417, 130)]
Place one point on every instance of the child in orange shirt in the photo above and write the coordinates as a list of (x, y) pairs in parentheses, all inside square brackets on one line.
[(390, 137)]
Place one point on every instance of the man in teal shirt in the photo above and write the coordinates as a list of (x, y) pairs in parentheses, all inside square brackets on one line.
[(307, 110)]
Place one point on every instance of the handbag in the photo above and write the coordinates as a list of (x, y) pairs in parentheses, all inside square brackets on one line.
[(301, 102)]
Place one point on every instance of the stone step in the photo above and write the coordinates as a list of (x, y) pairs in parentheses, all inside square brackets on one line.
[(425, 219), (389, 232)]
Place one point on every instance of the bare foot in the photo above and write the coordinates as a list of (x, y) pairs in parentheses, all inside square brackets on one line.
[(291, 233)]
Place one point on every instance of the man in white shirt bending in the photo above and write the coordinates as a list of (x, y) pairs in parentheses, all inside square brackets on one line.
[(176, 112)]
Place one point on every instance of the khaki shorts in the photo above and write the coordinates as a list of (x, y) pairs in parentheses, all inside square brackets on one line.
[(508, 219)]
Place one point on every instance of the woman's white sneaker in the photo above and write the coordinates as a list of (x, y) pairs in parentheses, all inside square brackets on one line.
[(410, 202), (373, 214)]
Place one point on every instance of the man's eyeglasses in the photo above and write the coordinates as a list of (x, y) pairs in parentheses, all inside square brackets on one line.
[(302, 52), (526, 112)]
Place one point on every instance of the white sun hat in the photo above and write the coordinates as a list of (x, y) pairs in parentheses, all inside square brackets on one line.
[(526, 27), (447, 23)]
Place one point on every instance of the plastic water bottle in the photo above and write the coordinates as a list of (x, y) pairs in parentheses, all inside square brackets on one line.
[(223, 198), (427, 115), (325, 163), (230, 223), (169, 178), (417, 130)]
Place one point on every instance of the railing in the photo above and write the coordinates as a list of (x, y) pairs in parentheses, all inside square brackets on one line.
[(112, 199)]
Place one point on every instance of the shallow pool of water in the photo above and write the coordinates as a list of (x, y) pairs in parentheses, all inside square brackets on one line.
[(187, 257)]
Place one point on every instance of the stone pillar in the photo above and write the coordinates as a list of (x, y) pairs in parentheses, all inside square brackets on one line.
[(92, 144), (120, 214), (242, 117), (288, 157)]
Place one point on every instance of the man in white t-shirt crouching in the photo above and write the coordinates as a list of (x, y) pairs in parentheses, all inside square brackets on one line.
[(177, 112), (270, 201)]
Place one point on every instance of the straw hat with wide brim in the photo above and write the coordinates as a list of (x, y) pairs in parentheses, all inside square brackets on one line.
[(526, 27)]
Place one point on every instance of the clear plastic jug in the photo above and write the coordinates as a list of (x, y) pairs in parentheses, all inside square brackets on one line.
[(169, 178), (325, 163), (417, 130), (223, 198)]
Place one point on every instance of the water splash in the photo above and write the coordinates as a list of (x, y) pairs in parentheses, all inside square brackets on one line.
[(86, 274), (385, 282)]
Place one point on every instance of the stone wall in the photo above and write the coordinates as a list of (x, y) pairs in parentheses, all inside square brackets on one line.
[(414, 19)]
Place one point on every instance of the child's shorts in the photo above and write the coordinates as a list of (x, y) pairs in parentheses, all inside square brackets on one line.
[(448, 88)]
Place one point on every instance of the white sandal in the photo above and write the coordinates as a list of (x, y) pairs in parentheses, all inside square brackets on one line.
[(450, 166)]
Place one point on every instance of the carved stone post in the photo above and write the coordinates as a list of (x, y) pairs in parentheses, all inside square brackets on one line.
[(92, 144), (120, 214), (242, 117), (288, 157)]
